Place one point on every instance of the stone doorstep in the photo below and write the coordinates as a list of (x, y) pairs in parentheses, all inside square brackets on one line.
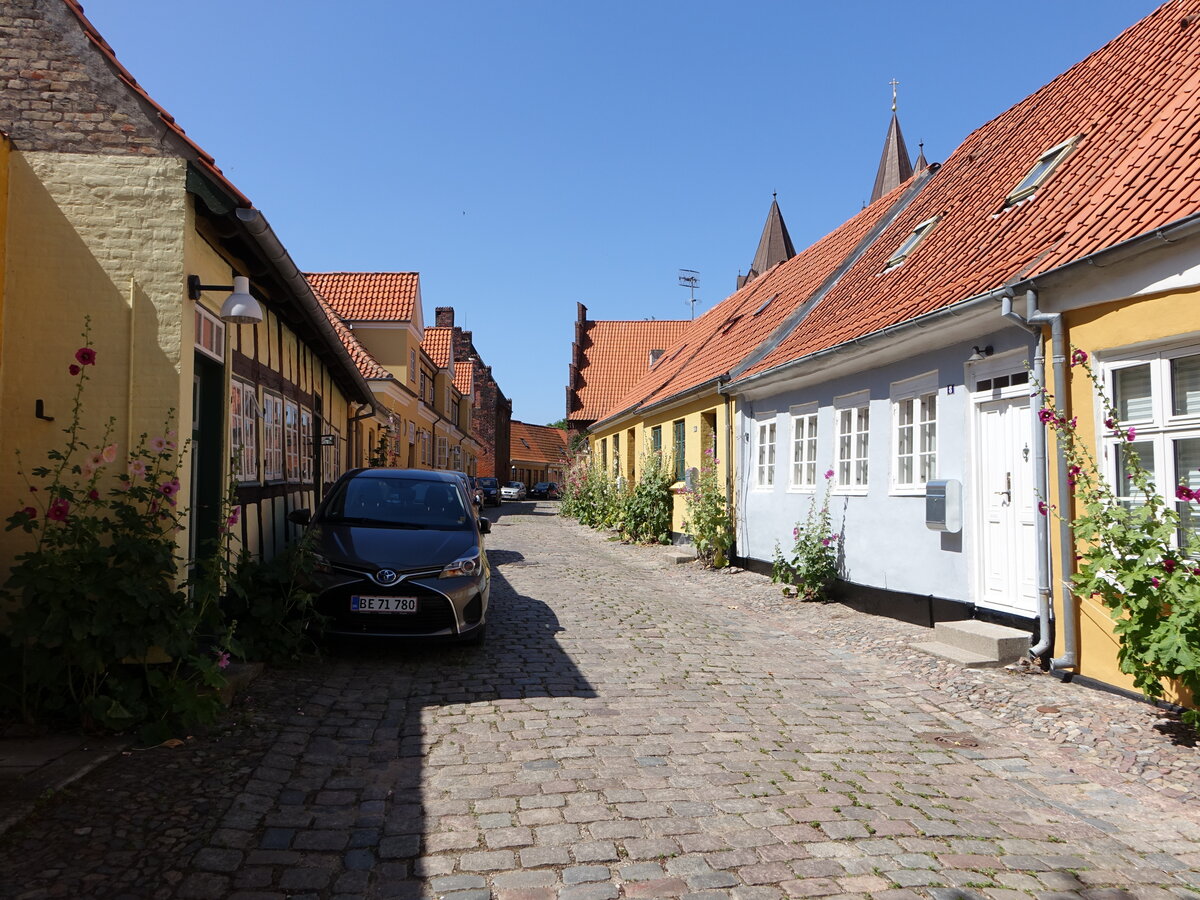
[(976, 644)]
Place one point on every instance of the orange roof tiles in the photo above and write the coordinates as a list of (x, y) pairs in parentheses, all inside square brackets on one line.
[(1136, 167), (369, 296), (367, 364), (464, 376), (438, 343), (615, 355), (537, 443), (727, 333)]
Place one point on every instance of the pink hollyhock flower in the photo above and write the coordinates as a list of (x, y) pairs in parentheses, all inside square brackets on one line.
[(30, 511), (795, 532), (1183, 492), (169, 488), (89, 468), (93, 494), (1110, 422), (1078, 358), (234, 515), (109, 453), (58, 510), (1043, 508), (137, 467), (74, 369), (1155, 582), (222, 660), (1073, 474), (1168, 565), (1131, 434), (85, 356), (828, 474), (158, 445)]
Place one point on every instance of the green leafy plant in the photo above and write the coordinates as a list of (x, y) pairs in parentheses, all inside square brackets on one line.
[(103, 628), (589, 495), (1134, 555), (811, 568), (645, 515), (708, 519)]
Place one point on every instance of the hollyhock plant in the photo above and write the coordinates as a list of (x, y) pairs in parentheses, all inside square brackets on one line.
[(85, 356), (1130, 547), (811, 568)]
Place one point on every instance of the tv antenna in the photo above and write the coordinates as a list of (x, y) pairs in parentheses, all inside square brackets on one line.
[(690, 279)]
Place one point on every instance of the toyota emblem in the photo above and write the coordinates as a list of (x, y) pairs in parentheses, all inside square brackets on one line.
[(386, 577)]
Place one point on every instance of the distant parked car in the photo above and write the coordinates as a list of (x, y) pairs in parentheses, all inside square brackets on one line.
[(514, 490), (490, 488), (399, 553), (545, 490)]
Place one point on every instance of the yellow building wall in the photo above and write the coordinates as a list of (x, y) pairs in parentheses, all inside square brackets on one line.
[(1110, 327), (100, 236), (5, 151), (693, 414)]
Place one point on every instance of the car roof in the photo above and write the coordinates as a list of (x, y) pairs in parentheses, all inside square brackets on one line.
[(408, 474)]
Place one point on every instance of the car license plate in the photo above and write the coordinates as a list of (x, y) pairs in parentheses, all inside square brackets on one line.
[(383, 604)]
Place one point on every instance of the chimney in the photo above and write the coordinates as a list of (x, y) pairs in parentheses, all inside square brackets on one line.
[(655, 355), (444, 317)]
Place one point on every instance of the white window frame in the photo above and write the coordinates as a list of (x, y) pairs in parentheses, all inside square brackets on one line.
[(243, 430), (805, 431), (915, 416), (210, 342), (272, 405), (306, 445), (765, 434), (1047, 164), (852, 443), (443, 452), (291, 440), (1157, 431)]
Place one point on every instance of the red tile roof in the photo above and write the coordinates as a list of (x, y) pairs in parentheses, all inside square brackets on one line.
[(367, 364), (615, 355), (464, 376), (201, 157), (437, 343), (537, 444), (369, 296), (727, 333), (1133, 104)]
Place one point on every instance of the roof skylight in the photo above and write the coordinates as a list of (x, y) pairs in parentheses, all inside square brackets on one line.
[(764, 304), (1041, 170), (910, 243)]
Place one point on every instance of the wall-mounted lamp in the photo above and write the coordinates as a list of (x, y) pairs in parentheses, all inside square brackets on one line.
[(239, 307), (980, 353)]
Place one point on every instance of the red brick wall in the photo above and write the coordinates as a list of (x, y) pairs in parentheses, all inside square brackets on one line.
[(58, 92), (491, 412)]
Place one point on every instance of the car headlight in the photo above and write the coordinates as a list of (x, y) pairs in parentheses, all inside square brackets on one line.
[(463, 566)]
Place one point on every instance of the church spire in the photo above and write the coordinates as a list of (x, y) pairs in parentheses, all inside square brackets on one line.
[(895, 167), (775, 245)]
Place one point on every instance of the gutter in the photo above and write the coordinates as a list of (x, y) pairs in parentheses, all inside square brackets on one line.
[(260, 230)]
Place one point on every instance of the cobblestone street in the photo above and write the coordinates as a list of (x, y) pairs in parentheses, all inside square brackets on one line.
[(635, 728)]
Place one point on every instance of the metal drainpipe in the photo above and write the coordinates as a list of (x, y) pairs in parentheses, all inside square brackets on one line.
[(1070, 618), (729, 500), (1045, 638)]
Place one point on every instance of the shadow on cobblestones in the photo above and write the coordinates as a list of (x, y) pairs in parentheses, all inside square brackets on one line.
[(315, 784)]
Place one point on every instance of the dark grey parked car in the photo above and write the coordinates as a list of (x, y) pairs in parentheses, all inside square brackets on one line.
[(399, 553)]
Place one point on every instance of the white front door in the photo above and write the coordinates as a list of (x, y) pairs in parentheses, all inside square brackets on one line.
[(1006, 507)]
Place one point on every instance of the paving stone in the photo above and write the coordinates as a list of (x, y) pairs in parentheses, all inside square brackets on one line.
[(580, 874)]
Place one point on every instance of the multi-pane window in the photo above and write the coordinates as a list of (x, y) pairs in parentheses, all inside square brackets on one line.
[(306, 446), (331, 455), (210, 334), (656, 439), (914, 435), (853, 432), (604, 454), (765, 470), (291, 439), (272, 436), (680, 449), (243, 437), (616, 455), (804, 448), (1157, 396), (443, 452)]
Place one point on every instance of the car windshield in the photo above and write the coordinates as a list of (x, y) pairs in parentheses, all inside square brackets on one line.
[(515, 484), (397, 503), (488, 482)]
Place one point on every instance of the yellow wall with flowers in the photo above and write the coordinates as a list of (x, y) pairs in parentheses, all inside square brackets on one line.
[(1101, 329), (705, 419)]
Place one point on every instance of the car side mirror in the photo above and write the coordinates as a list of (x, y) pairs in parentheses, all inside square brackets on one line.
[(300, 516), (485, 525)]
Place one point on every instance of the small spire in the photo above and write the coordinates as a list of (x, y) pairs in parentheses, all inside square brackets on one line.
[(893, 83), (921, 162), (895, 167), (775, 245)]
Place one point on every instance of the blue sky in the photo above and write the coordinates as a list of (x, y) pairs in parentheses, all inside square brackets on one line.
[(525, 156)]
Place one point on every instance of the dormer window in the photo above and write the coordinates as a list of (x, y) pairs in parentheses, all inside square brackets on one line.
[(1041, 171), (910, 243)]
